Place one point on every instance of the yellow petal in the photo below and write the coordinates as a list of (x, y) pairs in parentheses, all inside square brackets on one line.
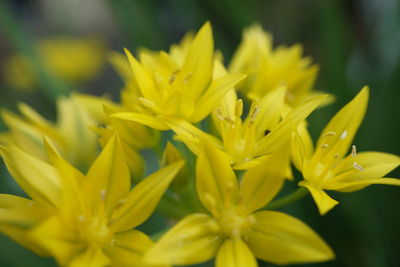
[(108, 179), (363, 169), (21, 212), (261, 183), (188, 133), (282, 133), (128, 248), (340, 131), (37, 178), (143, 199), (215, 180), (23, 134), (235, 253), (194, 239), (217, 90), (72, 198), (17, 216), (91, 257), (144, 79), (199, 61), (301, 146), (73, 124), (271, 106), (58, 239), (282, 239), (145, 119), (324, 202)]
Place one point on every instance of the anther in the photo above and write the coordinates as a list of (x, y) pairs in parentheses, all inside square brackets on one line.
[(254, 114), (343, 135), (188, 77), (324, 146), (173, 76), (353, 151), (330, 133), (358, 166)]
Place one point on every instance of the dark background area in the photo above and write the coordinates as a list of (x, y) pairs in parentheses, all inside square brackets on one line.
[(355, 42)]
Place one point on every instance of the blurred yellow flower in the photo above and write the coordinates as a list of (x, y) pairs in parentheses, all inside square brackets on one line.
[(328, 168), (71, 133), (170, 86), (235, 232), (71, 60), (81, 220), (269, 69)]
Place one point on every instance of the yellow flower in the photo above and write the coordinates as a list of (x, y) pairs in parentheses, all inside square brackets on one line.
[(235, 232), (71, 133), (184, 89), (82, 220), (72, 60), (269, 69), (328, 168), (267, 128)]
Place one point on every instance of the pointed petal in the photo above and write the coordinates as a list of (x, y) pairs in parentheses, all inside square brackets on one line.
[(301, 146), (108, 178), (282, 239), (217, 90), (216, 182), (58, 239), (260, 184), (145, 119), (194, 239), (128, 248), (371, 166), (271, 106), (235, 253), (17, 216), (91, 257), (80, 143), (324, 202), (143, 199), (144, 79), (199, 61), (37, 178), (283, 131), (345, 125)]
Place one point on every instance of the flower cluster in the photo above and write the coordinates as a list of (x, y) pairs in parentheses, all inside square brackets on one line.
[(226, 140)]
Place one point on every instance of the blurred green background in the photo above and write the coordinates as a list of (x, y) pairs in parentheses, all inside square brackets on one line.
[(355, 42)]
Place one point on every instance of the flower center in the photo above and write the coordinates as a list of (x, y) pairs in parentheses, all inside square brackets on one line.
[(232, 223), (95, 231)]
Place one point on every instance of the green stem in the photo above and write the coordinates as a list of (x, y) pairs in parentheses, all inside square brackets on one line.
[(293, 197)]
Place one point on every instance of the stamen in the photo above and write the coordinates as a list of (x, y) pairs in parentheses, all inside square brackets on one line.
[(112, 242), (188, 77), (324, 146), (330, 133), (358, 166), (254, 114), (103, 194), (173, 76), (343, 135), (353, 151), (219, 114), (227, 119)]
